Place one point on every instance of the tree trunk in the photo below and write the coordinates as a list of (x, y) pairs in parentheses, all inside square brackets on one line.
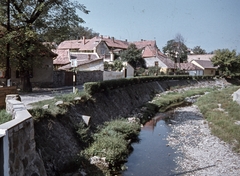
[(25, 84)]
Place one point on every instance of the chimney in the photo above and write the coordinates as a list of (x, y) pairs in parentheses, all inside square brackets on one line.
[(113, 39), (83, 40), (126, 40), (101, 36)]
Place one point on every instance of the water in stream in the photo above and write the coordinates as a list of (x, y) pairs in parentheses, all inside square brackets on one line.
[(151, 155)]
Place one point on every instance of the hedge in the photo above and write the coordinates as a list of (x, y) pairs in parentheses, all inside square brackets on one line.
[(95, 87)]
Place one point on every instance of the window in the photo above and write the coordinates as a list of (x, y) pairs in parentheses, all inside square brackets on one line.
[(102, 51)]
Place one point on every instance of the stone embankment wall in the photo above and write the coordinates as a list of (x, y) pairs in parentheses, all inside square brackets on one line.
[(17, 143), (56, 136)]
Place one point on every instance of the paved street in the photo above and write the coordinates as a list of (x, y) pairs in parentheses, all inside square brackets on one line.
[(40, 94)]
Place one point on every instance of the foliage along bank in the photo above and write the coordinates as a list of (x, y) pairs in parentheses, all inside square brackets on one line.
[(56, 134)]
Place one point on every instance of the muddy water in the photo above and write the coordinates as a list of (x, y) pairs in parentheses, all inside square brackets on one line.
[(151, 155)]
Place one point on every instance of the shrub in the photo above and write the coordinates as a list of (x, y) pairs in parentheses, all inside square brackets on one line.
[(4, 116), (112, 141)]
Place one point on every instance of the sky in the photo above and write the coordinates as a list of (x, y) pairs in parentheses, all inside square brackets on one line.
[(210, 24)]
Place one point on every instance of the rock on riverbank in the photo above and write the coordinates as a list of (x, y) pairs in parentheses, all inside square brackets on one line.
[(200, 153)]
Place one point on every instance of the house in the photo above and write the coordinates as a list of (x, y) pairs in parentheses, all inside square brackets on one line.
[(85, 62), (207, 66), (61, 59), (44, 67), (126, 72), (192, 57), (105, 47), (72, 45), (190, 68), (154, 57)]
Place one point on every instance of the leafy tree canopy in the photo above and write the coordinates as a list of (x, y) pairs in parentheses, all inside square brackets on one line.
[(228, 62), (198, 50), (176, 49), (133, 56), (31, 22)]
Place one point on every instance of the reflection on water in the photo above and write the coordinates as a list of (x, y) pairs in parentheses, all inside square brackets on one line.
[(151, 155)]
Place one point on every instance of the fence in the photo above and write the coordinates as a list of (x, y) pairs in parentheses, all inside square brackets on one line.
[(5, 91)]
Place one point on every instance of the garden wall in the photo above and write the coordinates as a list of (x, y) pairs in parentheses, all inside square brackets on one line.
[(17, 144), (5, 91), (61, 78)]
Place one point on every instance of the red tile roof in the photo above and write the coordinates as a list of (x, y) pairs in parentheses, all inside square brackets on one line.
[(62, 57), (114, 43), (90, 45), (82, 58), (192, 57), (143, 43), (168, 62), (72, 44), (205, 63)]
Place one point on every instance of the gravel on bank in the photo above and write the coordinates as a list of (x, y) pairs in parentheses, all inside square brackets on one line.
[(200, 153)]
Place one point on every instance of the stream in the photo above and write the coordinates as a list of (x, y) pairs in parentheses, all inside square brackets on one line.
[(152, 155)]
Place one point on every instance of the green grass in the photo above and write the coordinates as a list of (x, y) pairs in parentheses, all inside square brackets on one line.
[(112, 141), (68, 99), (162, 103), (4, 116), (222, 122)]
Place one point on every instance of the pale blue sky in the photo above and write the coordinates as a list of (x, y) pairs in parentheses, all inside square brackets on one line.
[(211, 24)]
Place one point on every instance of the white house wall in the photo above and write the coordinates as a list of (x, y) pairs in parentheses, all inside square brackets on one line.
[(98, 65), (196, 73), (108, 75), (150, 62)]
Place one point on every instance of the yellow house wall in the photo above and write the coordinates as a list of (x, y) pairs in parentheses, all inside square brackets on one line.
[(209, 72), (42, 73)]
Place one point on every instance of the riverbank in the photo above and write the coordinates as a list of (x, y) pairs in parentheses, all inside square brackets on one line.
[(200, 153)]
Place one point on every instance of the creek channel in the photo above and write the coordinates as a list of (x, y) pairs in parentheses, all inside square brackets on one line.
[(152, 155)]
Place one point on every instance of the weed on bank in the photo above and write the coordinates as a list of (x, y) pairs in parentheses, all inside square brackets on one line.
[(112, 142), (4, 116), (222, 113)]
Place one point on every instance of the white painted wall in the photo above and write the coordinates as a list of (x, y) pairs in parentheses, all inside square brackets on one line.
[(150, 62), (196, 73), (108, 75)]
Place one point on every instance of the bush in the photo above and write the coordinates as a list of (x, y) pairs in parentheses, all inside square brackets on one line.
[(112, 141), (95, 87), (4, 116)]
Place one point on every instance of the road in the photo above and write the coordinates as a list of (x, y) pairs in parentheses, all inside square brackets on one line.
[(40, 94)]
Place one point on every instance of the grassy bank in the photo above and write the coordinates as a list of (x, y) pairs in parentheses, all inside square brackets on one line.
[(112, 144), (222, 121), (53, 108), (164, 102)]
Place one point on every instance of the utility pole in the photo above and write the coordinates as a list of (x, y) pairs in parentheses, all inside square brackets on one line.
[(8, 74)]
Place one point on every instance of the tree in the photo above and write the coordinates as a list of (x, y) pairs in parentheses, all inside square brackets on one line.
[(176, 49), (133, 56), (228, 62), (80, 31), (198, 50), (33, 21), (68, 33)]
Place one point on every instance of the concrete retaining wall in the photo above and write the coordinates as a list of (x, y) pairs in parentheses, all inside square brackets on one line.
[(18, 148)]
